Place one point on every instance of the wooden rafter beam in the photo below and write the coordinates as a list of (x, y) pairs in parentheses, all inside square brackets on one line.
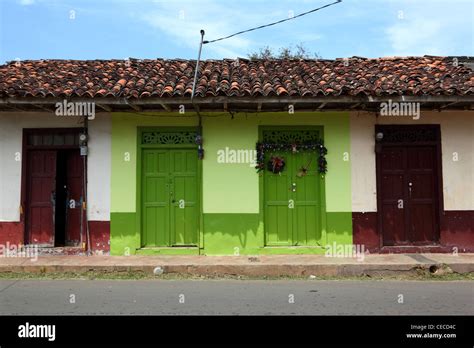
[(13, 107), (104, 107), (135, 107), (448, 104), (164, 106), (353, 106), (44, 108)]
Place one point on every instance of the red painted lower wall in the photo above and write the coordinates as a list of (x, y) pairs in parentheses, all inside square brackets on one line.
[(364, 229), (12, 232), (99, 232), (456, 230)]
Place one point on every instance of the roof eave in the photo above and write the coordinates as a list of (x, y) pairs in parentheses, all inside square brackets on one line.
[(247, 104)]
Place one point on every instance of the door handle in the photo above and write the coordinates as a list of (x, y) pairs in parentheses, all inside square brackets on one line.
[(293, 187), (409, 188)]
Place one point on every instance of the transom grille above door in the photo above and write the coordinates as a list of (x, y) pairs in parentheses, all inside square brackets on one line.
[(291, 136), (169, 138)]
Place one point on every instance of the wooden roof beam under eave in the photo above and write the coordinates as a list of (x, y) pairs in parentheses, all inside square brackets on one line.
[(165, 106), (133, 105), (448, 105), (104, 107), (44, 108), (355, 105), (13, 107), (136, 107)]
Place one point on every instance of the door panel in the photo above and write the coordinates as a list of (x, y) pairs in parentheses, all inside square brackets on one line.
[(75, 181), (393, 184), (307, 229), (184, 198), (41, 175), (407, 174), (278, 217), (421, 195), (155, 198), (300, 225), (170, 200)]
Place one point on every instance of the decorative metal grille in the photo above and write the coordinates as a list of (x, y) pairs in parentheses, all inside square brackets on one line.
[(169, 138), (408, 135), (291, 136)]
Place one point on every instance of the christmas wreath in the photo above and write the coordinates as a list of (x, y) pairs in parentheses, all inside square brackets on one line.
[(276, 164)]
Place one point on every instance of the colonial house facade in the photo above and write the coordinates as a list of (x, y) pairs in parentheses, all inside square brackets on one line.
[(267, 157)]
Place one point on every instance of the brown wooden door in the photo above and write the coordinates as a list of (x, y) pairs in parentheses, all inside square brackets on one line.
[(408, 195), (41, 174), (75, 196)]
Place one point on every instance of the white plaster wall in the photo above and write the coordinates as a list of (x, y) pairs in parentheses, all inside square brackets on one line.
[(363, 176), (11, 133), (457, 136), (99, 171)]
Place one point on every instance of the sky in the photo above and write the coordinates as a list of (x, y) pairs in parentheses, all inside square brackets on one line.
[(119, 29)]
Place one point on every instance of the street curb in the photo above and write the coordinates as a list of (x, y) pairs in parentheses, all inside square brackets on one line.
[(253, 270)]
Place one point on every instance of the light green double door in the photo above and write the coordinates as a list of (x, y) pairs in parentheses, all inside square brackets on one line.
[(170, 197), (292, 202)]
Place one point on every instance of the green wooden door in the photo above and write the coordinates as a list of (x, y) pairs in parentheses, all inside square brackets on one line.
[(292, 202), (170, 209)]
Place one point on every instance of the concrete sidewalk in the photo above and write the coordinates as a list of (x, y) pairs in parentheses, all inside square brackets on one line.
[(275, 265)]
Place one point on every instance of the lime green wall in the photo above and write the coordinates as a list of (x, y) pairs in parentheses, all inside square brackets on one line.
[(229, 187), (231, 219)]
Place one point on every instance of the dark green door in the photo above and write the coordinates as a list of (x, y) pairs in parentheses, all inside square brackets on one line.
[(170, 209), (292, 201)]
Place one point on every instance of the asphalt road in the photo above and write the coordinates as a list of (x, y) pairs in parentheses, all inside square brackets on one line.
[(256, 297)]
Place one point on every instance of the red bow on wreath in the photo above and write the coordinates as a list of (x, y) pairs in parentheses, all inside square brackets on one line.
[(276, 164)]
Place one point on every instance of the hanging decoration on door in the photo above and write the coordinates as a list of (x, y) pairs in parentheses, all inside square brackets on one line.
[(304, 169), (276, 164), (263, 148)]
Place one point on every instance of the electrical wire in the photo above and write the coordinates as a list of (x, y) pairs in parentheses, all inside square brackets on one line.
[(274, 23)]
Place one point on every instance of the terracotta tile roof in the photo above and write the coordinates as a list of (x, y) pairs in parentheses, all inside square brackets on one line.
[(300, 78)]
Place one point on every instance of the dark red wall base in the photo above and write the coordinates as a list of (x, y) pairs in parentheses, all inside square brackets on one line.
[(14, 234), (364, 229), (100, 235), (456, 231)]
